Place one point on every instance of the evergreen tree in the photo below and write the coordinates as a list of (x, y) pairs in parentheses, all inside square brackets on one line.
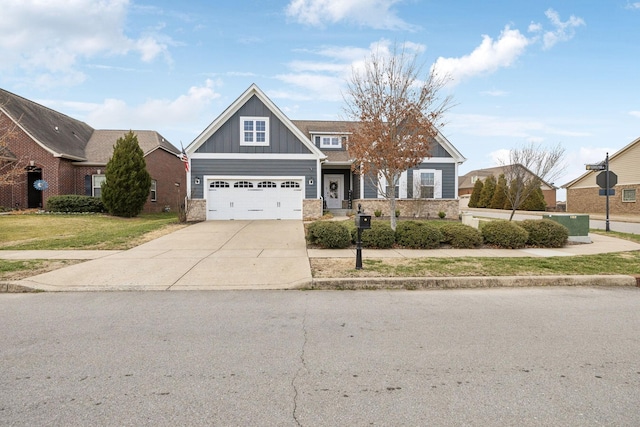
[(500, 194), (535, 201), (475, 194), (488, 189), (127, 182)]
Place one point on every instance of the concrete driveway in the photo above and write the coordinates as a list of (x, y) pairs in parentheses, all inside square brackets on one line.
[(206, 255)]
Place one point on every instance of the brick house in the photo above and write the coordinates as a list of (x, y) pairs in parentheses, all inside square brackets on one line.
[(467, 182), (70, 157), (583, 192)]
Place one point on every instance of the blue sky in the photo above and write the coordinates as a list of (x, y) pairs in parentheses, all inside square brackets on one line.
[(562, 71)]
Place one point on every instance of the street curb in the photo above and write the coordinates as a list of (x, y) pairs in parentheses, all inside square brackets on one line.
[(413, 283), (14, 288), (408, 283)]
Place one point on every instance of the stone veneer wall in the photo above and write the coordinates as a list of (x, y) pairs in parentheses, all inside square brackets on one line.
[(196, 209), (311, 209), (587, 200), (412, 208)]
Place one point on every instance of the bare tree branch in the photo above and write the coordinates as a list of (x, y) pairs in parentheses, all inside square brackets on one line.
[(528, 167), (396, 117)]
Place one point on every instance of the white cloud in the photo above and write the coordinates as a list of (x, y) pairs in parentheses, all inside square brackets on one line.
[(486, 58), (377, 14), (324, 77), (51, 37), (563, 31), (500, 157), (635, 113), (635, 5), (153, 114), (531, 130)]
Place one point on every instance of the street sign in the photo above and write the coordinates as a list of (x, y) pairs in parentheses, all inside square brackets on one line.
[(596, 167), (601, 179), (603, 192)]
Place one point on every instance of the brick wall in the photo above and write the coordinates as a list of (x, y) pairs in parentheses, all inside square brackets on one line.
[(587, 200), (167, 169)]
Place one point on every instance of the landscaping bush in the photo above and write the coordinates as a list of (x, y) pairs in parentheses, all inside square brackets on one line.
[(329, 234), (380, 235), (418, 235), (504, 234), (75, 204), (461, 236), (545, 233)]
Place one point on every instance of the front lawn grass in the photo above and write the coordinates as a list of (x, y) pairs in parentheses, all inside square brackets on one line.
[(49, 231), (613, 263)]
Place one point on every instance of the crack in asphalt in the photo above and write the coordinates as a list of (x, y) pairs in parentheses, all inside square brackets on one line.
[(303, 367)]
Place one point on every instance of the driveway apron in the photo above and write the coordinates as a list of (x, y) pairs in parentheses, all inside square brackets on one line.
[(206, 255)]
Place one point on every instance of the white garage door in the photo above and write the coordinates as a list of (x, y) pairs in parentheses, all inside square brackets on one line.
[(254, 198)]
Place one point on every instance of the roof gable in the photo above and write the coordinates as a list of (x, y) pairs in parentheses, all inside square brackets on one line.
[(100, 146), (57, 133), (253, 102), (623, 162)]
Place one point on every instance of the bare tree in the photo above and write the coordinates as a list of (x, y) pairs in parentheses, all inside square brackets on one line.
[(396, 116), (11, 167), (528, 167)]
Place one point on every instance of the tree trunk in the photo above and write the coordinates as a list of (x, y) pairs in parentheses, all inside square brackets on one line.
[(392, 206)]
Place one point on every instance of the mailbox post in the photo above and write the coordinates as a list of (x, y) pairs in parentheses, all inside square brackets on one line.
[(363, 222)]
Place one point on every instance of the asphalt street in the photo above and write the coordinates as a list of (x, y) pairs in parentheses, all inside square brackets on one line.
[(534, 356)]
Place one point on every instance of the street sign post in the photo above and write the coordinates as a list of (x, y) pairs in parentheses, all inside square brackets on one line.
[(605, 180)]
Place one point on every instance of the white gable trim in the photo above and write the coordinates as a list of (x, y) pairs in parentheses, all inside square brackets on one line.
[(448, 146), (236, 105)]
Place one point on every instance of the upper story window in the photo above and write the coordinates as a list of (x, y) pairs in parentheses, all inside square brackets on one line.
[(254, 131), (329, 141)]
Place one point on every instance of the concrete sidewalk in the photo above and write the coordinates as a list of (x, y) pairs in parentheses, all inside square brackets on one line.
[(206, 255), (216, 255)]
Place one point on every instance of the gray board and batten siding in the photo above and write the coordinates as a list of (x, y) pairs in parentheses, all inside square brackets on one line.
[(254, 167), (227, 138), (448, 181)]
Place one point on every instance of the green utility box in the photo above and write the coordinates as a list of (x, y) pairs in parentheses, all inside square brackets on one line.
[(578, 226)]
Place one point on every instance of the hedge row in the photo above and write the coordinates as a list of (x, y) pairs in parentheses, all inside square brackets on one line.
[(75, 204), (431, 234)]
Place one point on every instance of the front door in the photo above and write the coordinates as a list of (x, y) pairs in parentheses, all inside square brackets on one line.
[(334, 191), (34, 196)]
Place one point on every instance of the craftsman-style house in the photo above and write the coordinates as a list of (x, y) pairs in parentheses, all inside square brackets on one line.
[(253, 162)]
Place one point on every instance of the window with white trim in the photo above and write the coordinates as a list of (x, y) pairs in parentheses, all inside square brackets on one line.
[(96, 184), (629, 195), (154, 193), (329, 141), (254, 131), (427, 185)]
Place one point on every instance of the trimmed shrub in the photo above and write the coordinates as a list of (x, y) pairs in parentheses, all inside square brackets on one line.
[(329, 234), (504, 234), (379, 236), (418, 235), (75, 204), (545, 233), (461, 236)]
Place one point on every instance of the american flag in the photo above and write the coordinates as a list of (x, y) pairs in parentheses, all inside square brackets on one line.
[(185, 159)]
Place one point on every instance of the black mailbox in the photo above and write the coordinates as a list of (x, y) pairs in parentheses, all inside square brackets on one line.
[(363, 221)]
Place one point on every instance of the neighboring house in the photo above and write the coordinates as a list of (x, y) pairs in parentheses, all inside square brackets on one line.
[(71, 156), (253, 162), (468, 180), (583, 192)]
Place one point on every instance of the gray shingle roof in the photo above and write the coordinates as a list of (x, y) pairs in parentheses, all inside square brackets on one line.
[(69, 138), (60, 134)]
